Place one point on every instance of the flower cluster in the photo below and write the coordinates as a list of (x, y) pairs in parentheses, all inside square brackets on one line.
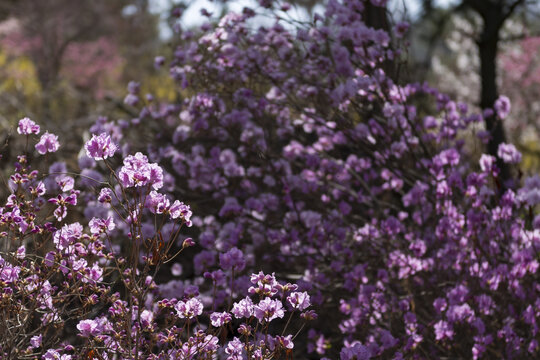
[(137, 171), (69, 290), (312, 161), (100, 147), (27, 127), (301, 156)]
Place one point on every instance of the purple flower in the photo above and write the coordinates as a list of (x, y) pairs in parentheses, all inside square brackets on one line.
[(47, 143), (65, 183), (440, 305), (266, 284), (8, 272), (67, 235), (21, 252), (219, 319), (401, 28), (27, 127), (508, 153), (35, 341), (105, 195), (55, 355), (131, 99), (355, 352), (233, 258), (179, 209), (100, 147), (157, 203), (138, 172), (502, 106), (459, 312), (189, 309), (98, 225), (268, 309), (285, 341), (147, 318), (243, 308), (234, 349), (87, 328), (443, 330), (487, 163), (159, 61), (299, 300), (176, 269), (93, 274), (133, 87), (530, 193), (188, 242)]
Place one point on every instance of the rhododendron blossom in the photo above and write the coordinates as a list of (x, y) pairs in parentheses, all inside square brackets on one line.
[(100, 147), (137, 171), (27, 127), (47, 143)]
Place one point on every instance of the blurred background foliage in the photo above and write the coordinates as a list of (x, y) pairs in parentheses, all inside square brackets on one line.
[(64, 63)]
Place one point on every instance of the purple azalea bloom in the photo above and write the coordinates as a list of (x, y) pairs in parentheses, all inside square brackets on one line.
[(87, 328), (219, 319), (299, 300), (269, 309), (100, 147), (47, 143), (243, 308), (502, 106), (35, 341), (179, 209), (232, 259), (508, 153), (27, 127), (189, 309), (105, 195), (138, 172)]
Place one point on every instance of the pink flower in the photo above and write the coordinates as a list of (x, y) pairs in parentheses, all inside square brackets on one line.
[(189, 309), (27, 127), (138, 172), (502, 106), (105, 195), (179, 209), (98, 225), (219, 319), (508, 153), (35, 341), (299, 300), (47, 143), (87, 327), (100, 147), (268, 310), (243, 308)]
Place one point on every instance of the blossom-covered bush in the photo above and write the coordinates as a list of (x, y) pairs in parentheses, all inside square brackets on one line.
[(296, 149), (302, 158), (74, 291)]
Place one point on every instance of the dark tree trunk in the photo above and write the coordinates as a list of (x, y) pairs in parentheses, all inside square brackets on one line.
[(377, 18), (488, 47)]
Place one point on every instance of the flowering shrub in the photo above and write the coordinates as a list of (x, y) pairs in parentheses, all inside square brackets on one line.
[(70, 292), (298, 151), (302, 158)]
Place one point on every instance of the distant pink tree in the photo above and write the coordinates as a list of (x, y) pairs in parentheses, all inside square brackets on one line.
[(85, 64), (88, 65), (520, 77)]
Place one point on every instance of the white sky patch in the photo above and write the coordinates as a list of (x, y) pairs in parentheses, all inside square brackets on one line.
[(192, 17)]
